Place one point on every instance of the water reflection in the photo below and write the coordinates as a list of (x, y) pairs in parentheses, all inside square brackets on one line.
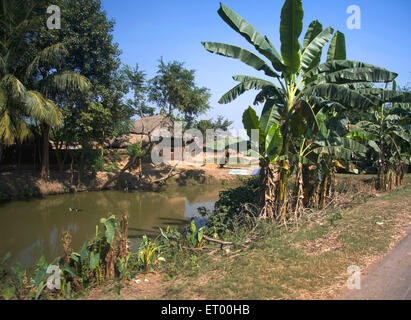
[(33, 228)]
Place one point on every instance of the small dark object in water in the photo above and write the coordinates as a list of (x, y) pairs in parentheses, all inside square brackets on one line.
[(75, 210)]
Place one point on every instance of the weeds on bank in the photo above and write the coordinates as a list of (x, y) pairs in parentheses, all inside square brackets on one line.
[(291, 254)]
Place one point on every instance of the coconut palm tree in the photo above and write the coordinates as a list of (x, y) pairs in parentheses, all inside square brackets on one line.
[(27, 84), (49, 82)]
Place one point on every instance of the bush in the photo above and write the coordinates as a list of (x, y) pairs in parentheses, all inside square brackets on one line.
[(230, 210), (135, 151)]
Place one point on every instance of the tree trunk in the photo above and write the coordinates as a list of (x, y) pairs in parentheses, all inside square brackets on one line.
[(381, 172), (61, 161), (140, 168), (1, 151), (267, 191), (19, 156), (45, 170), (71, 169), (299, 204), (308, 185)]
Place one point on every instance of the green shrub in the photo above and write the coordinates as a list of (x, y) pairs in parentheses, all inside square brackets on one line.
[(230, 210), (135, 150)]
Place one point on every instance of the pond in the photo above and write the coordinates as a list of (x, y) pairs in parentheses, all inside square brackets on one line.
[(30, 229)]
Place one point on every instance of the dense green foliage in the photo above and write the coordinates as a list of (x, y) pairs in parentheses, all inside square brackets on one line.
[(176, 94), (219, 124), (302, 129), (67, 85)]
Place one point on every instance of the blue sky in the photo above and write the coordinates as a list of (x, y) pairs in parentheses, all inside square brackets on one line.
[(147, 30)]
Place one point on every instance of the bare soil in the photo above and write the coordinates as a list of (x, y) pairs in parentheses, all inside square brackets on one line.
[(18, 184)]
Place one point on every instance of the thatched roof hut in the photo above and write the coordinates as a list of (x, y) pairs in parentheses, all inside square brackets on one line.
[(147, 125), (141, 129)]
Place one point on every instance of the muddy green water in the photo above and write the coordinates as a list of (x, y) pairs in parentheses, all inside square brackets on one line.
[(30, 229)]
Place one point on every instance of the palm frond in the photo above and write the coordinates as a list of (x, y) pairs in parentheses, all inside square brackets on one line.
[(51, 55), (42, 109), (65, 81), (13, 88)]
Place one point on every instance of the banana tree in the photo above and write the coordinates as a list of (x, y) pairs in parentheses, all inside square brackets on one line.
[(296, 75), (388, 133), (268, 151)]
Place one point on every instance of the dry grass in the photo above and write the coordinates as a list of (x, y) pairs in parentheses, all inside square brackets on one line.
[(309, 263)]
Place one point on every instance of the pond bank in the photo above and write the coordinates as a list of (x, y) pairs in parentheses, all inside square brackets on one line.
[(33, 228), (25, 184), (309, 263)]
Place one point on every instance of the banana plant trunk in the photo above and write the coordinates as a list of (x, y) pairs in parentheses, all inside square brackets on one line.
[(299, 204), (268, 176), (382, 184)]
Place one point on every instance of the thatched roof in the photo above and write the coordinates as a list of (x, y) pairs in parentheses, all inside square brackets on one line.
[(148, 124)]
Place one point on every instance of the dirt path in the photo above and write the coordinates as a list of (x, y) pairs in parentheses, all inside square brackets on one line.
[(388, 280)]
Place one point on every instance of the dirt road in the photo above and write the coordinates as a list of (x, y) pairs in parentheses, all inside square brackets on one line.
[(388, 280)]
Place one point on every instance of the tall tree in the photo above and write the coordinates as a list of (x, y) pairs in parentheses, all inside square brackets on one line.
[(136, 81), (37, 70), (86, 33), (219, 124), (176, 94)]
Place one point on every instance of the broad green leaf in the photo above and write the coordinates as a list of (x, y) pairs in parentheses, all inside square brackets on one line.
[(387, 95), (374, 145), (336, 151), (336, 65), (274, 142), (241, 26), (306, 115), (290, 29), (75, 256), (248, 83), (374, 74), (94, 260), (403, 135), (70, 270), (312, 53), (110, 228), (353, 145), (337, 49), (250, 119), (40, 289), (340, 94), (241, 54), (251, 122), (270, 92), (83, 253), (314, 29), (269, 116)]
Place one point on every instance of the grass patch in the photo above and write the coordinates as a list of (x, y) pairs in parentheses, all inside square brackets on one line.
[(306, 264)]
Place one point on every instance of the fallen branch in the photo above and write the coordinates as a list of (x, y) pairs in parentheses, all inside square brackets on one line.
[(167, 176), (222, 243)]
